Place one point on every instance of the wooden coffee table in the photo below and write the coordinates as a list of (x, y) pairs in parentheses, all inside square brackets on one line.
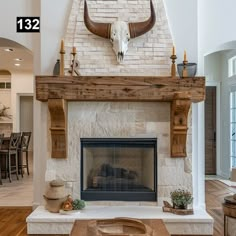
[(80, 227)]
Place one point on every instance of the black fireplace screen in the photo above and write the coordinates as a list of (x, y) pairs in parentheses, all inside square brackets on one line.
[(122, 169)]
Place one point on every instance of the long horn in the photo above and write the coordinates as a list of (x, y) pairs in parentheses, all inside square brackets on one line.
[(100, 29), (138, 28)]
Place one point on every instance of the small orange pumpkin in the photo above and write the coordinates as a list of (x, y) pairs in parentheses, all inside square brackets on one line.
[(67, 205)]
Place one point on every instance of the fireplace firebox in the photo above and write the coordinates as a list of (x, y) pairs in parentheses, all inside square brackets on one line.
[(120, 169)]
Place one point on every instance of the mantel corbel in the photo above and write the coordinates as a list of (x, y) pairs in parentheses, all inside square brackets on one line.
[(179, 123), (58, 114)]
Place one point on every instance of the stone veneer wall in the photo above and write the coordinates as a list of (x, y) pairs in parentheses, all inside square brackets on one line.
[(148, 54), (124, 119)]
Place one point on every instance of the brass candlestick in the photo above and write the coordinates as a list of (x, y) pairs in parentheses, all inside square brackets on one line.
[(185, 62), (73, 53), (185, 72), (62, 52), (173, 67)]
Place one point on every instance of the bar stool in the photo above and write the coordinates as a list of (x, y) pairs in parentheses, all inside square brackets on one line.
[(24, 145), (12, 151)]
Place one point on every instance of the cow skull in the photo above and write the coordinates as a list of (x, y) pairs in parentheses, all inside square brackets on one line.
[(119, 32)]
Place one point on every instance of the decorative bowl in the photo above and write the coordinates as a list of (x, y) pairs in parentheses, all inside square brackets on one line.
[(118, 227), (190, 67)]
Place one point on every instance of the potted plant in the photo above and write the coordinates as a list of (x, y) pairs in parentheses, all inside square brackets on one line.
[(181, 198)]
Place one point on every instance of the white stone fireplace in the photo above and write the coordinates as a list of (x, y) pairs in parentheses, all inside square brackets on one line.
[(147, 55), (123, 120), (127, 120)]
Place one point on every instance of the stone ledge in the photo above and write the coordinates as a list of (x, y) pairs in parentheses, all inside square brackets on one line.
[(40, 221)]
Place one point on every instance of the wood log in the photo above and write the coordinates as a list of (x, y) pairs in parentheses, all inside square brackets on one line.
[(177, 211)]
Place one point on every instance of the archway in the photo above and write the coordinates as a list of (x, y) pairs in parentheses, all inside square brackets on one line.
[(16, 74), (216, 72)]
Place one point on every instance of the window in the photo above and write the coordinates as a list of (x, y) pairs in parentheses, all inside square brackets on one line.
[(8, 85), (233, 128), (2, 85), (232, 66), (5, 85)]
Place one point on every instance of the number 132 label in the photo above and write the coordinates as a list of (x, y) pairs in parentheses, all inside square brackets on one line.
[(27, 24)]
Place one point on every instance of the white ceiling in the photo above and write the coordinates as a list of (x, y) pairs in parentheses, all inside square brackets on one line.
[(7, 59)]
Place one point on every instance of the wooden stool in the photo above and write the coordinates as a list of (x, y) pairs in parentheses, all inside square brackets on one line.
[(229, 208)]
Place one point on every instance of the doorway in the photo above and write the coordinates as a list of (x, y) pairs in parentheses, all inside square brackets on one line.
[(26, 117), (210, 131)]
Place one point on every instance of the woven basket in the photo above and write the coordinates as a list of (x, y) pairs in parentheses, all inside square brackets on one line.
[(55, 189), (119, 227), (54, 205)]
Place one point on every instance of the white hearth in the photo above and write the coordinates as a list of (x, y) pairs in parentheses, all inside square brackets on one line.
[(43, 222)]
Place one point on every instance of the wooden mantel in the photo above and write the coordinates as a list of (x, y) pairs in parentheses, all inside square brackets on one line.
[(118, 88), (180, 92)]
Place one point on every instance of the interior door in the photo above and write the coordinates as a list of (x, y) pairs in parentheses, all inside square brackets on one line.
[(26, 116), (210, 131)]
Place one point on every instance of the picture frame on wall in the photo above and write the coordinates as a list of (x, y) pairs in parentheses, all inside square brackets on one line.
[(5, 106), (5, 115)]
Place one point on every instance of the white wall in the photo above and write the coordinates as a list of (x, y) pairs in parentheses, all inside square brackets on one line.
[(213, 67), (227, 82), (22, 83), (182, 16), (54, 19), (9, 10), (216, 23)]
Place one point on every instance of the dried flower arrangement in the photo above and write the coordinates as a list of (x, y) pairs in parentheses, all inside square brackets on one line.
[(181, 198)]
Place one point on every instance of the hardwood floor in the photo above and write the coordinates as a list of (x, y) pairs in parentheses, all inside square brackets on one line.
[(12, 219), (215, 193)]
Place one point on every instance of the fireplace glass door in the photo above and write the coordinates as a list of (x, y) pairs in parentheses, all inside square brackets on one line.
[(121, 169)]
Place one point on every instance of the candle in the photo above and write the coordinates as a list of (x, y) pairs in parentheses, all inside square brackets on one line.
[(185, 56), (74, 50), (173, 50), (62, 45), (62, 52)]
